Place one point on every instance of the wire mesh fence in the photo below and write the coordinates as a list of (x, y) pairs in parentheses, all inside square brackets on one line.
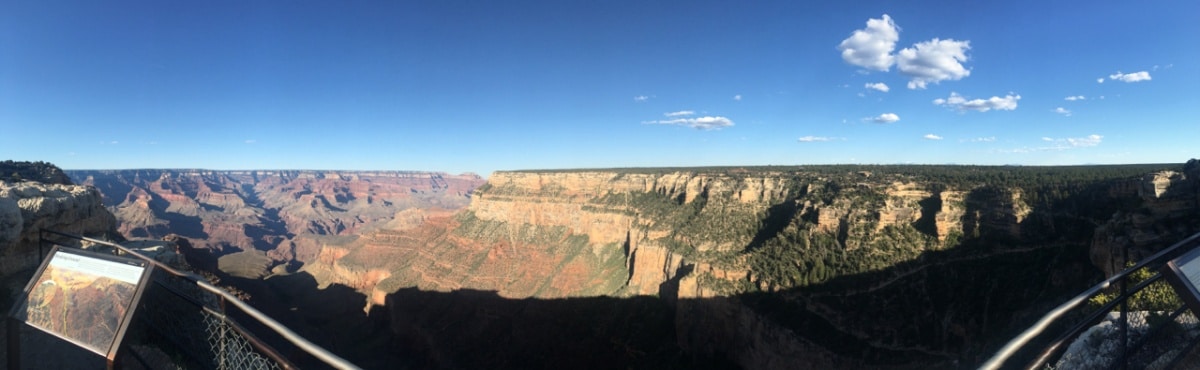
[(187, 324), (232, 349)]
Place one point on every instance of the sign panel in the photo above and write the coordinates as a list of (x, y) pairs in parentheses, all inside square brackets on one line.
[(83, 297), (1183, 273)]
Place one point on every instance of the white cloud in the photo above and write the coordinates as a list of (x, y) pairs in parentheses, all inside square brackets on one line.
[(737, 97), (933, 61), (1083, 142), (1008, 102), (872, 47), (878, 86), (980, 140), (1130, 77), (251, 141), (932, 137), (1100, 80), (1062, 144), (641, 98), (1076, 97), (679, 113), (925, 62), (1062, 111), (812, 139), (885, 118), (1059, 144), (701, 123)]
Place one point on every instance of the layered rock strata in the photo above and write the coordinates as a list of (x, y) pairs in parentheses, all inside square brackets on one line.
[(283, 214)]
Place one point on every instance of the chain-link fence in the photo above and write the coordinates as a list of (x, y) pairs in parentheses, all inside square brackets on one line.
[(186, 323)]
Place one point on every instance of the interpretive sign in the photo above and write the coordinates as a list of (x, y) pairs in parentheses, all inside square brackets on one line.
[(84, 298), (1184, 275)]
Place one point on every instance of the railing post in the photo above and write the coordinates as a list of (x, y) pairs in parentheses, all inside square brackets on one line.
[(1026, 337), (221, 338), (1124, 313), (41, 244), (14, 343)]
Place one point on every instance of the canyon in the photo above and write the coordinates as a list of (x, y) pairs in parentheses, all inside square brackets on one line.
[(797, 267)]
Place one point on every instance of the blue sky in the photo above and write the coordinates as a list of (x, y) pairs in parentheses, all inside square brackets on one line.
[(480, 86)]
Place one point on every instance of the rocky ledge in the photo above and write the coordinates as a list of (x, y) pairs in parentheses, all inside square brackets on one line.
[(28, 207)]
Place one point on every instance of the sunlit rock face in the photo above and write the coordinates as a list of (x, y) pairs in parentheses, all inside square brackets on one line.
[(28, 207), (1167, 212)]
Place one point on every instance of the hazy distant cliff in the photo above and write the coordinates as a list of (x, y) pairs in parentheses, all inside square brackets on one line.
[(260, 211)]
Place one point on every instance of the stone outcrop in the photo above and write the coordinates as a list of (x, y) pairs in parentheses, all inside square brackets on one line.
[(28, 207), (1169, 212), (46, 173)]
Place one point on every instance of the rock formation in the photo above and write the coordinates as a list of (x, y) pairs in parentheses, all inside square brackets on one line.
[(46, 173), (28, 207), (1169, 211), (814, 267), (276, 212)]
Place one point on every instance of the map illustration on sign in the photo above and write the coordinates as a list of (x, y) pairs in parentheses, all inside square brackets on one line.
[(81, 298)]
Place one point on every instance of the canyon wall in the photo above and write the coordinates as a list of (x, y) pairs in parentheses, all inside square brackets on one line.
[(799, 267), (1168, 212), (712, 223), (275, 215), (897, 266)]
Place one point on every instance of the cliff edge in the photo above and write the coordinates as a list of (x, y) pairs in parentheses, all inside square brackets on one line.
[(28, 207)]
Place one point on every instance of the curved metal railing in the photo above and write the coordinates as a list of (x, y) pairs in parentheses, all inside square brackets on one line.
[(1006, 356)]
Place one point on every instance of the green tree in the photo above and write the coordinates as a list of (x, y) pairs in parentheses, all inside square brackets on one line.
[(1158, 296)]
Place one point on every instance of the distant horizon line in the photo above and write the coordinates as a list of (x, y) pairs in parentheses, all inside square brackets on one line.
[(184, 169), (564, 169)]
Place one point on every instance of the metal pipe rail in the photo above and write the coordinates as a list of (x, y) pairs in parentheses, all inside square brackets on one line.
[(1005, 353), (283, 331)]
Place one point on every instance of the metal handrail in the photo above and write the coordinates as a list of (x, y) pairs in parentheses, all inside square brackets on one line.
[(1091, 320), (1011, 348), (287, 334)]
